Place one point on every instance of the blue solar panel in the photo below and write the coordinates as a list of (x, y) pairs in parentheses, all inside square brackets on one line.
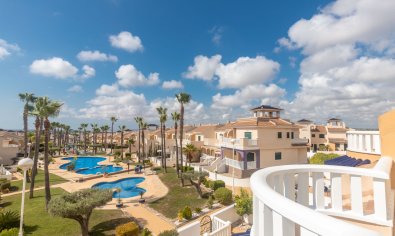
[(346, 161)]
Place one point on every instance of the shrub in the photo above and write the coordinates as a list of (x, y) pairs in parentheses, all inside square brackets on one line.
[(210, 202), (207, 183), (128, 229), (71, 167), (10, 232), (187, 213), (214, 185), (179, 216), (223, 195), (5, 185), (146, 232), (187, 168), (156, 168), (243, 203), (172, 232), (128, 155), (320, 158), (8, 220), (198, 210)]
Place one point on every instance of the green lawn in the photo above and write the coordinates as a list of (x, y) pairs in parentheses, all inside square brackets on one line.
[(178, 197), (53, 179), (39, 222)]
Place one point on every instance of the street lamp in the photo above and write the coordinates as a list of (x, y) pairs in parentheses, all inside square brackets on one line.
[(233, 170), (25, 164)]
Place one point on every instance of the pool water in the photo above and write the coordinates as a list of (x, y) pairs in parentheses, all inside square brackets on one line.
[(128, 187), (88, 165)]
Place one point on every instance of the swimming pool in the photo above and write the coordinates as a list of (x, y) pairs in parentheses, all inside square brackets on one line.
[(128, 187), (88, 165)]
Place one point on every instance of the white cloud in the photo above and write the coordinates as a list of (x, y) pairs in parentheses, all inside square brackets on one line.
[(246, 71), (258, 94), (96, 55), (128, 76), (75, 89), (6, 48), (204, 67), (88, 72), (54, 67), (172, 84), (216, 33), (126, 41)]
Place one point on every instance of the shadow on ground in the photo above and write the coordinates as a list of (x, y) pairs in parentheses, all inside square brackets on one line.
[(104, 227)]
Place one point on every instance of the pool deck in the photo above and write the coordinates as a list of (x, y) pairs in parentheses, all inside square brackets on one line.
[(152, 183)]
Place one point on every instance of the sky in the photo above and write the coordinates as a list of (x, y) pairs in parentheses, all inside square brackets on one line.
[(101, 58)]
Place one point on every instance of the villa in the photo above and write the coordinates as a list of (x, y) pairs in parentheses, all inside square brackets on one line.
[(10, 145)]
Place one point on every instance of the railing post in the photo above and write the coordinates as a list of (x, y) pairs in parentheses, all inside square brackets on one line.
[(267, 221), (318, 192), (356, 194), (278, 184), (255, 212), (289, 186), (303, 189), (381, 192), (336, 191)]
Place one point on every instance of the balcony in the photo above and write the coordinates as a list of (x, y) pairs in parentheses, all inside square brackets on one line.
[(239, 143), (299, 142), (285, 204)]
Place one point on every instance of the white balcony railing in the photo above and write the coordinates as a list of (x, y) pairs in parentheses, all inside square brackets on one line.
[(234, 163), (238, 143), (220, 228), (280, 208)]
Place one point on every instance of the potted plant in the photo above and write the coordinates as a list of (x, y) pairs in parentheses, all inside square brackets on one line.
[(119, 201), (142, 200), (244, 205)]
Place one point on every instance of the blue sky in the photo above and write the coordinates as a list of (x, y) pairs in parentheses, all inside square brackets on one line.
[(251, 52)]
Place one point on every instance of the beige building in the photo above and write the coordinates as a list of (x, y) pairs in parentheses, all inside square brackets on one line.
[(10, 145), (252, 143)]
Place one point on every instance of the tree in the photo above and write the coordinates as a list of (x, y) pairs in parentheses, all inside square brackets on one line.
[(196, 179), (122, 129), (49, 109), (243, 203), (131, 143), (113, 120), (38, 124), (139, 121), (320, 158), (183, 98), (95, 130), (190, 150), (175, 116), (144, 126), (163, 118), (27, 98), (79, 205), (104, 130), (84, 126)]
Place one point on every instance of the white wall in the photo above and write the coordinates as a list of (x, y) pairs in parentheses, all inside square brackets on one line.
[(229, 180)]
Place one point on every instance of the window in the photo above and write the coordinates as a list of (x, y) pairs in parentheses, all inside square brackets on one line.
[(292, 135), (250, 156), (277, 156), (199, 139), (279, 135), (322, 136), (287, 134), (247, 135), (313, 135)]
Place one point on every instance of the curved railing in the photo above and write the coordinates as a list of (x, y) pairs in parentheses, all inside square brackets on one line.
[(290, 200)]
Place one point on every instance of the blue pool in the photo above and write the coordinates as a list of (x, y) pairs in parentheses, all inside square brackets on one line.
[(128, 187), (88, 165)]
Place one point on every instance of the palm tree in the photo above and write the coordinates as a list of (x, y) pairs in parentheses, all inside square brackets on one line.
[(175, 116), (113, 120), (49, 109), (139, 121), (162, 118), (37, 112), (83, 127), (183, 98), (27, 98), (189, 150), (131, 143), (104, 129), (94, 138), (122, 129), (144, 126), (67, 130)]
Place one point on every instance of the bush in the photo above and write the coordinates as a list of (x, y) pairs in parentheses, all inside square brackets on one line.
[(156, 168), (5, 185), (8, 220), (207, 183), (243, 203), (172, 232), (146, 232), (210, 202), (214, 185), (187, 213), (223, 195), (187, 168), (10, 232), (179, 216), (320, 158), (70, 167), (128, 229), (198, 210)]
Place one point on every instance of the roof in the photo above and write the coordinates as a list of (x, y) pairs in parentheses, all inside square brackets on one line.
[(334, 119), (204, 128), (337, 140), (304, 121), (319, 128), (337, 129), (266, 107), (257, 122)]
